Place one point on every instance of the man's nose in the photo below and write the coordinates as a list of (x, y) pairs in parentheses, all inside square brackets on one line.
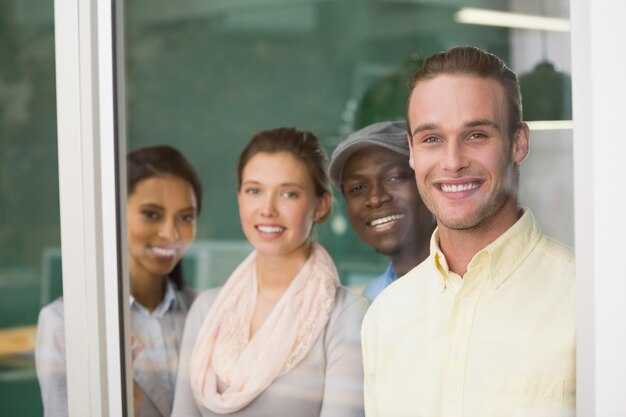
[(454, 159), (378, 196)]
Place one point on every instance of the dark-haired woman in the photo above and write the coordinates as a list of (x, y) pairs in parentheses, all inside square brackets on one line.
[(164, 199), (281, 337)]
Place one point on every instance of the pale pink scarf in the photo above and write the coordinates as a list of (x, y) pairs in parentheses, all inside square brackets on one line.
[(223, 349)]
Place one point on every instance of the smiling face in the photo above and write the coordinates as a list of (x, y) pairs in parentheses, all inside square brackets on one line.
[(161, 225), (465, 162), (384, 206), (278, 205)]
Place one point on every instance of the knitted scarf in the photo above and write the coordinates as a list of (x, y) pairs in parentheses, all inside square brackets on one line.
[(223, 349)]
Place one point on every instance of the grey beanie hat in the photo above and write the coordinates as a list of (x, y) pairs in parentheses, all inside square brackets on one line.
[(390, 135)]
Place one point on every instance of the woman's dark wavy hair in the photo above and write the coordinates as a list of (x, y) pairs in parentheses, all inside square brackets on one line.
[(161, 160)]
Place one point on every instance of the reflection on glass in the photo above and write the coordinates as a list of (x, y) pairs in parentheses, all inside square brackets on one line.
[(165, 197)]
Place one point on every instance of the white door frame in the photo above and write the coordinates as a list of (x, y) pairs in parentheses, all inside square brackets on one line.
[(599, 94), (88, 104)]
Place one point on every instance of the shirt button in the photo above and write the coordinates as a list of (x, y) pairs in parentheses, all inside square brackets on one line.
[(464, 301)]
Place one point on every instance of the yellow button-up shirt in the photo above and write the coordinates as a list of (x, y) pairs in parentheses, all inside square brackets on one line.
[(499, 341)]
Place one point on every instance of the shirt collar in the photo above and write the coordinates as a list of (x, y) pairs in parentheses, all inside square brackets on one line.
[(503, 255), (168, 303), (391, 273), (438, 259)]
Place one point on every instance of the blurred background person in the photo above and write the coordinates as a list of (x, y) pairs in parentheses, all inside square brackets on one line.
[(164, 199), (371, 168)]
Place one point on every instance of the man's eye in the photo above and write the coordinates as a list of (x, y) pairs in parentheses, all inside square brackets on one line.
[(431, 139), (290, 194), (477, 136), (356, 188), (252, 191), (397, 177)]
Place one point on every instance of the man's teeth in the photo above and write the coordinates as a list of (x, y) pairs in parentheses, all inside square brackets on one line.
[(270, 229), (388, 219), (163, 251), (458, 188)]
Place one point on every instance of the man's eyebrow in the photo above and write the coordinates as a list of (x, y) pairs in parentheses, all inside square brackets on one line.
[(470, 124), (422, 128), (482, 122), (353, 176), (384, 168)]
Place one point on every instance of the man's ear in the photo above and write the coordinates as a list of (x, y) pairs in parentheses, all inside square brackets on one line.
[(519, 147), (409, 139)]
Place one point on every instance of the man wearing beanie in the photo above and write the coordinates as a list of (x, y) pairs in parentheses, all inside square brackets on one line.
[(371, 168)]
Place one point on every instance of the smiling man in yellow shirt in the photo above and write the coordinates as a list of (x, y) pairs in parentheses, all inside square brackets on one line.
[(485, 326)]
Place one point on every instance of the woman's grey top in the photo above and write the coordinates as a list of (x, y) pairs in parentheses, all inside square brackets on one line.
[(327, 383)]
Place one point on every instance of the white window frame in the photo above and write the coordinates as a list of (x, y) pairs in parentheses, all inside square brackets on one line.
[(599, 92), (90, 99)]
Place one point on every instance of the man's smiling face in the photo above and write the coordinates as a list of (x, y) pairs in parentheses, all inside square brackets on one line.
[(384, 206), (464, 159)]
